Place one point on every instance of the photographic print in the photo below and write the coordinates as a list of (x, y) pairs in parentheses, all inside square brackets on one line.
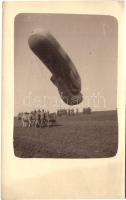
[(65, 86), (63, 100)]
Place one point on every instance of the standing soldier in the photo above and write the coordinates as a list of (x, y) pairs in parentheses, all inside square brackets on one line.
[(38, 116), (77, 111), (42, 117), (72, 111), (69, 112)]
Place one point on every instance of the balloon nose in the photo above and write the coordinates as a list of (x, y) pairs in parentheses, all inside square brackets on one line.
[(32, 40), (36, 36), (39, 31)]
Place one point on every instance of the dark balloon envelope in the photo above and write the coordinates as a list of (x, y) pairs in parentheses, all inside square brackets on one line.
[(64, 74)]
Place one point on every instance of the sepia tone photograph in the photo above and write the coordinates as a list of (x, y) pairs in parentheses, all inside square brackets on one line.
[(65, 86)]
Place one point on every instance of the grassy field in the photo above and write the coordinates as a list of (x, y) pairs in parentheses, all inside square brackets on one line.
[(80, 136)]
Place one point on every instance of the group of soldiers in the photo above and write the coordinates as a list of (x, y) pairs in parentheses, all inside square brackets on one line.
[(37, 118), (70, 112), (42, 118)]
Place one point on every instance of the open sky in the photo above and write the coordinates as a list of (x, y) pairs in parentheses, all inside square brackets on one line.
[(90, 41)]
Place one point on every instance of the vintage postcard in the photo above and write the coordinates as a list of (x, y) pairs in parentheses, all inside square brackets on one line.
[(63, 100)]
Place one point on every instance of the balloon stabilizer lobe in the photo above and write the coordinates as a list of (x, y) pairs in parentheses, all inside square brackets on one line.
[(64, 74)]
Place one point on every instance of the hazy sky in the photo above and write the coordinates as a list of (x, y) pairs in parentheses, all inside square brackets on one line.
[(91, 43)]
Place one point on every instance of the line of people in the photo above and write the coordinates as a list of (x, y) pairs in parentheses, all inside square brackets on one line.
[(38, 118), (68, 112)]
